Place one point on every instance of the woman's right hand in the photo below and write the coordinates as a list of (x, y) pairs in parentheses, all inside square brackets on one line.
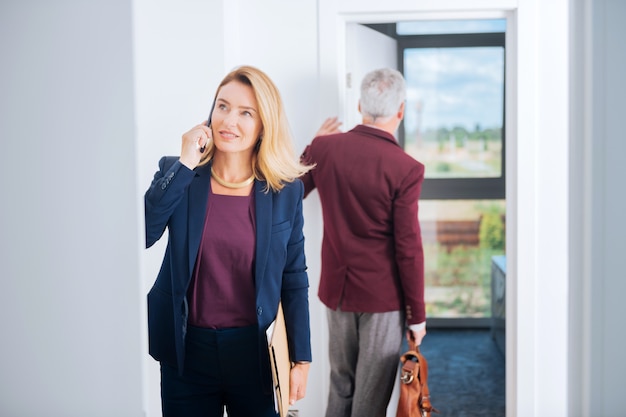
[(193, 143)]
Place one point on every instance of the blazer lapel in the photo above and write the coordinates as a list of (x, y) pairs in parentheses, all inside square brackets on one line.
[(263, 209), (198, 199)]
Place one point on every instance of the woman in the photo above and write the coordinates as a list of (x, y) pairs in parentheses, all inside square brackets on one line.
[(232, 205)]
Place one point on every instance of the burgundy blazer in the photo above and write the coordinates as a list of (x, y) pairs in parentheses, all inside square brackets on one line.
[(372, 255)]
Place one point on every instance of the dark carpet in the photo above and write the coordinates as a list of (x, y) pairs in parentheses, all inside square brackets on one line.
[(466, 373)]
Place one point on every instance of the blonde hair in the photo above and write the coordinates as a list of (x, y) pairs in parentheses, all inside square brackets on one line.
[(274, 159)]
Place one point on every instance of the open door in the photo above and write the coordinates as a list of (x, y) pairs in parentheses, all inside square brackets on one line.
[(366, 50)]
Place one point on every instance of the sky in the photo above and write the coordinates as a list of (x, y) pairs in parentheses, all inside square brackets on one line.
[(425, 27), (454, 86)]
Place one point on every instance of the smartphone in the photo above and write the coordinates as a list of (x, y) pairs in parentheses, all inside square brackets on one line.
[(208, 123)]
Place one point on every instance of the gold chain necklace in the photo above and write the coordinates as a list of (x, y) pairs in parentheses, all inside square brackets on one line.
[(235, 185)]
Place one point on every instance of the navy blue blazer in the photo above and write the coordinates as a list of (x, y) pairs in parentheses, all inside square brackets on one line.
[(177, 200)]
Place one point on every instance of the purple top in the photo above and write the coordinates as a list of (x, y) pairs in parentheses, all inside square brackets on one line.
[(222, 292)]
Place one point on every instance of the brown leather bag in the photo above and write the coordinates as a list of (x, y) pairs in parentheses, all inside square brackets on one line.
[(414, 393)]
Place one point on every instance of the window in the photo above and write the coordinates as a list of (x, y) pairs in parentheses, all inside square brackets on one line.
[(454, 125), (454, 122)]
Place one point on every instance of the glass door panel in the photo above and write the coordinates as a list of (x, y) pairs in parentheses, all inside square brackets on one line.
[(460, 237), (454, 124), (454, 110)]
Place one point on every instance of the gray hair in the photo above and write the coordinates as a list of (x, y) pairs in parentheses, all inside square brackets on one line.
[(382, 92)]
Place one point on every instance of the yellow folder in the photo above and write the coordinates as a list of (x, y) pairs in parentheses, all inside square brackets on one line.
[(280, 362)]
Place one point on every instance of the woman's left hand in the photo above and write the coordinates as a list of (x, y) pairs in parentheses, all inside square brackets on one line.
[(297, 381)]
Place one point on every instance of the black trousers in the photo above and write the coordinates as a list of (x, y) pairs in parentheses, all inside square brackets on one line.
[(221, 371)]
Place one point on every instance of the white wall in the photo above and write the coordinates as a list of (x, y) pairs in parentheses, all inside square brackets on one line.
[(537, 380), (603, 280), (69, 314), (93, 93)]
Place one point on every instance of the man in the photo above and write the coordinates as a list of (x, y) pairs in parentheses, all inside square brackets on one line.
[(372, 278)]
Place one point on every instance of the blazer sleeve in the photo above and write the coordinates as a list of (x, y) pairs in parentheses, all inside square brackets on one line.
[(295, 287), (408, 243), (307, 179), (163, 196)]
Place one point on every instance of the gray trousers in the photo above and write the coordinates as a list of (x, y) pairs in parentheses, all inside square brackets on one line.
[(364, 350)]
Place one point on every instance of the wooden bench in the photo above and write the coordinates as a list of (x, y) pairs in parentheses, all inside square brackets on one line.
[(451, 232)]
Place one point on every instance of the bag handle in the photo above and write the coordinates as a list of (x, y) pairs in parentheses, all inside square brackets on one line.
[(422, 374)]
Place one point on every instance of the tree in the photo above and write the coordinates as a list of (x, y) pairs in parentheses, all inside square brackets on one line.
[(491, 233)]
